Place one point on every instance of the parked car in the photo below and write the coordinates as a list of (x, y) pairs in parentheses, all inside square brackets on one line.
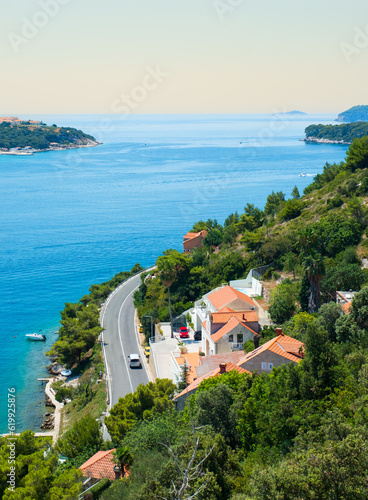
[(184, 332), (147, 351), (198, 335), (134, 361)]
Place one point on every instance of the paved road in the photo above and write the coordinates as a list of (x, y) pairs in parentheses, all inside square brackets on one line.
[(120, 340)]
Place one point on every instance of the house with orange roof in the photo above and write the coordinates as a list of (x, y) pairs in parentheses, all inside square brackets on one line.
[(227, 318), (345, 300), (180, 359), (10, 119), (278, 351), (193, 240), (210, 363), (223, 367), (227, 296), (100, 466)]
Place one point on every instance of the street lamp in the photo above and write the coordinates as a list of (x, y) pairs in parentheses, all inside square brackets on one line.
[(148, 316)]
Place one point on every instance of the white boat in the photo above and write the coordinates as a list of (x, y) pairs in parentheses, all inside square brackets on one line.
[(66, 373), (302, 174), (35, 336)]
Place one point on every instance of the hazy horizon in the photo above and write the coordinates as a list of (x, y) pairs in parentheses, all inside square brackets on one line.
[(167, 57)]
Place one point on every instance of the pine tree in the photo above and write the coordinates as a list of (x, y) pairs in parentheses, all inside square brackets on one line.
[(295, 193)]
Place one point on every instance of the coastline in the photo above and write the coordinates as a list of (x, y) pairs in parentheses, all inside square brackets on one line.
[(49, 163), (30, 152), (320, 140)]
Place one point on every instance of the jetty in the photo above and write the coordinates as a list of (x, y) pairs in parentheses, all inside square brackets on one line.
[(54, 433)]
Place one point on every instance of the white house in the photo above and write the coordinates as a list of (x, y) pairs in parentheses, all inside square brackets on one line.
[(227, 318)]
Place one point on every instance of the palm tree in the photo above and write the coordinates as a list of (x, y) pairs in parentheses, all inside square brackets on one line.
[(313, 262), (123, 458), (169, 266), (314, 267)]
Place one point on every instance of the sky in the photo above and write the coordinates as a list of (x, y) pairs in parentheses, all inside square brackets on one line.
[(182, 56)]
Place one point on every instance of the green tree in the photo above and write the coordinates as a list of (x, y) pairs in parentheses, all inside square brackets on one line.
[(295, 193), (328, 314), (213, 238), (36, 471), (274, 200), (85, 433), (123, 458), (291, 209), (214, 407), (333, 467), (79, 332), (304, 293), (282, 304), (320, 370), (169, 266), (314, 267), (357, 155), (290, 262), (183, 382), (148, 400)]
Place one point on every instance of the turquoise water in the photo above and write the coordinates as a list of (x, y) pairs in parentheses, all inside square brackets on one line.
[(73, 218)]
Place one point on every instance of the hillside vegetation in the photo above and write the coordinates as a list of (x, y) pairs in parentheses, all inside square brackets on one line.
[(344, 133), (13, 135), (317, 237), (354, 114), (299, 432)]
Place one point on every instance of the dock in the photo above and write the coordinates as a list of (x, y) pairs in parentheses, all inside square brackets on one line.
[(45, 380)]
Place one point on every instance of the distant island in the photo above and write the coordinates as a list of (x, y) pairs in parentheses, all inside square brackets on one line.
[(354, 114), (335, 134), (291, 113), (18, 137)]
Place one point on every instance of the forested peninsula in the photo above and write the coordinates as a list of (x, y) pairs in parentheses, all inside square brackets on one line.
[(354, 114), (28, 137), (335, 134), (298, 432)]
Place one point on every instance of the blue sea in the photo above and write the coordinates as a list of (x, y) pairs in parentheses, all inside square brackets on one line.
[(73, 218)]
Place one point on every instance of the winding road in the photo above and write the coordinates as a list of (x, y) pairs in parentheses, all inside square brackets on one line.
[(119, 340)]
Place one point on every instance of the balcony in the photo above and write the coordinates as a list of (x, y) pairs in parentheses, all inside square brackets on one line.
[(236, 347)]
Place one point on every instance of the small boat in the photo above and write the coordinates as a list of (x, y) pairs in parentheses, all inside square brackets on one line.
[(65, 373), (36, 336), (302, 174)]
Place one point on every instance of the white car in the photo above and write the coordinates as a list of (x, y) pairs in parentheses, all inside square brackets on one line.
[(134, 361)]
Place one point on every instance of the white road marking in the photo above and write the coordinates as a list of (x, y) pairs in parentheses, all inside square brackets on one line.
[(121, 342)]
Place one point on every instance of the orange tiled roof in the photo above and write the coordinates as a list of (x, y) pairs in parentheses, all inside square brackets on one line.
[(210, 363), (99, 466), (225, 310), (243, 316), (214, 373), (189, 236), (227, 294), (193, 360), (282, 345), (346, 307), (228, 327)]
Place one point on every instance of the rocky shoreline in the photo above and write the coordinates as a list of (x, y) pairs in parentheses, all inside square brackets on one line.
[(61, 147), (319, 140)]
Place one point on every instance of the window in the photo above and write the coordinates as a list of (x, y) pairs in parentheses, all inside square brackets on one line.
[(231, 338), (270, 366), (264, 366), (239, 338)]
